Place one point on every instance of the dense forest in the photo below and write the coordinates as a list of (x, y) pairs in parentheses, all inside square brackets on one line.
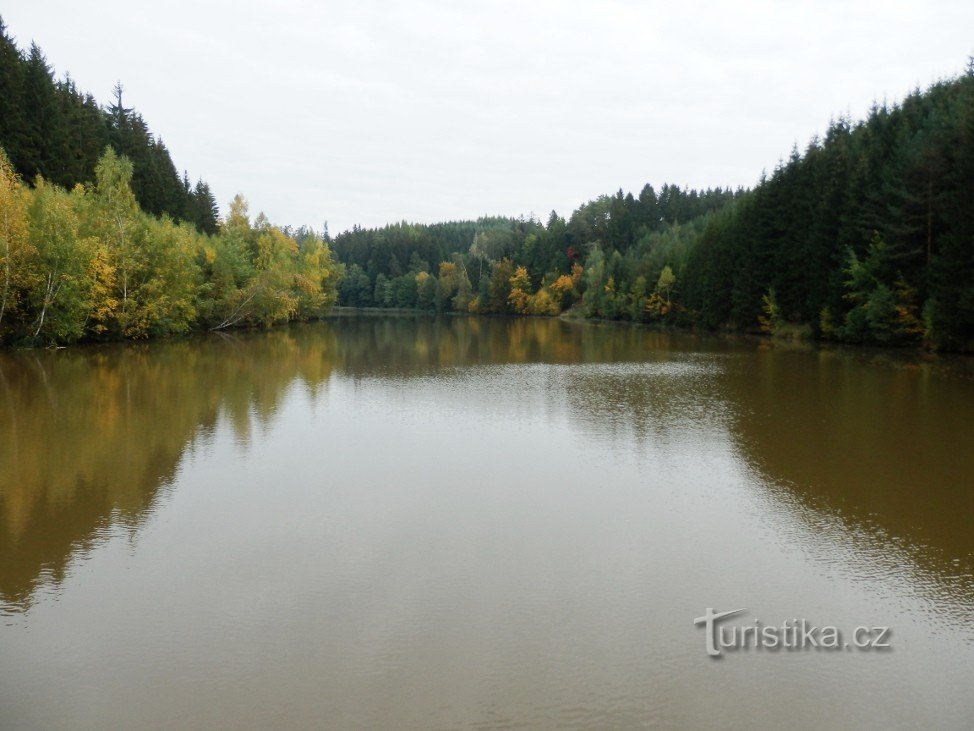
[(100, 239), (522, 266), (866, 236), (50, 128)]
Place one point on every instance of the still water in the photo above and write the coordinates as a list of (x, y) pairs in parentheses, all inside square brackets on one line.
[(409, 522)]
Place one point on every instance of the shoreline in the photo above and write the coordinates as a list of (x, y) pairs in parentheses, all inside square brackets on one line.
[(760, 340)]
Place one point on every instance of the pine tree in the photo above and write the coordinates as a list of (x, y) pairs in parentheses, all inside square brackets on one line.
[(13, 125), (44, 146)]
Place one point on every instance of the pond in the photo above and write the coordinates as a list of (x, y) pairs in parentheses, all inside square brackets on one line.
[(402, 521)]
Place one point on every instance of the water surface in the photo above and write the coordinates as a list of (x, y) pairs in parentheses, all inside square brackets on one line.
[(410, 522)]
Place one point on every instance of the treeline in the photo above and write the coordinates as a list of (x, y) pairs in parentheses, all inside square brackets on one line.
[(90, 264), (867, 236), (50, 128), (522, 266)]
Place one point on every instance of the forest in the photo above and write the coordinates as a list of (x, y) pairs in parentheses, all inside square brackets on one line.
[(50, 128), (101, 239), (866, 236), (523, 266)]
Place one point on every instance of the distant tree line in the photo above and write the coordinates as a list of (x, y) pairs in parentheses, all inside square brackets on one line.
[(523, 266), (50, 128), (867, 236)]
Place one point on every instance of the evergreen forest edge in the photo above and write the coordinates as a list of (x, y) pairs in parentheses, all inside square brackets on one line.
[(865, 236)]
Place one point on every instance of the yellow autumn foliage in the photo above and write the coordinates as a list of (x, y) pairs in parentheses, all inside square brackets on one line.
[(89, 263)]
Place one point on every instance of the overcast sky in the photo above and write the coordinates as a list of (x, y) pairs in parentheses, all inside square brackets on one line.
[(371, 112)]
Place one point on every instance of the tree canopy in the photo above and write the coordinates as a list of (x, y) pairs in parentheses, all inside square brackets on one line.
[(865, 236), (51, 129), (90, 263)]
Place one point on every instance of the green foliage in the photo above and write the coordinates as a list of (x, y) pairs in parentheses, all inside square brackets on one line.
[(870, 226), (355, 289), (52, 130), (91, 263), (499, 286), (545, 260), (594, 297), (853, 237), (665, 283), (63, 265), (426, 287), (256, 274), (770, 318), (15, 249), (883, 306)]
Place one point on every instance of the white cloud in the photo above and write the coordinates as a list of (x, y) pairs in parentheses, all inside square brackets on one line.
[(368, 112)]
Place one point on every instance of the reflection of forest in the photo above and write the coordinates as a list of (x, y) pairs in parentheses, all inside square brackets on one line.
[(880, 443), (406, 343), (88, 436)]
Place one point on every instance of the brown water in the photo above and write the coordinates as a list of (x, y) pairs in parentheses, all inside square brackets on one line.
[(407, 522)]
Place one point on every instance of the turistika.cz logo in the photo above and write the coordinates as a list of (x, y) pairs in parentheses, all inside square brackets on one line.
[(792, 634)]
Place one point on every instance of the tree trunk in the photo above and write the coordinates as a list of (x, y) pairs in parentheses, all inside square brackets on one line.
[(47, 301)]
